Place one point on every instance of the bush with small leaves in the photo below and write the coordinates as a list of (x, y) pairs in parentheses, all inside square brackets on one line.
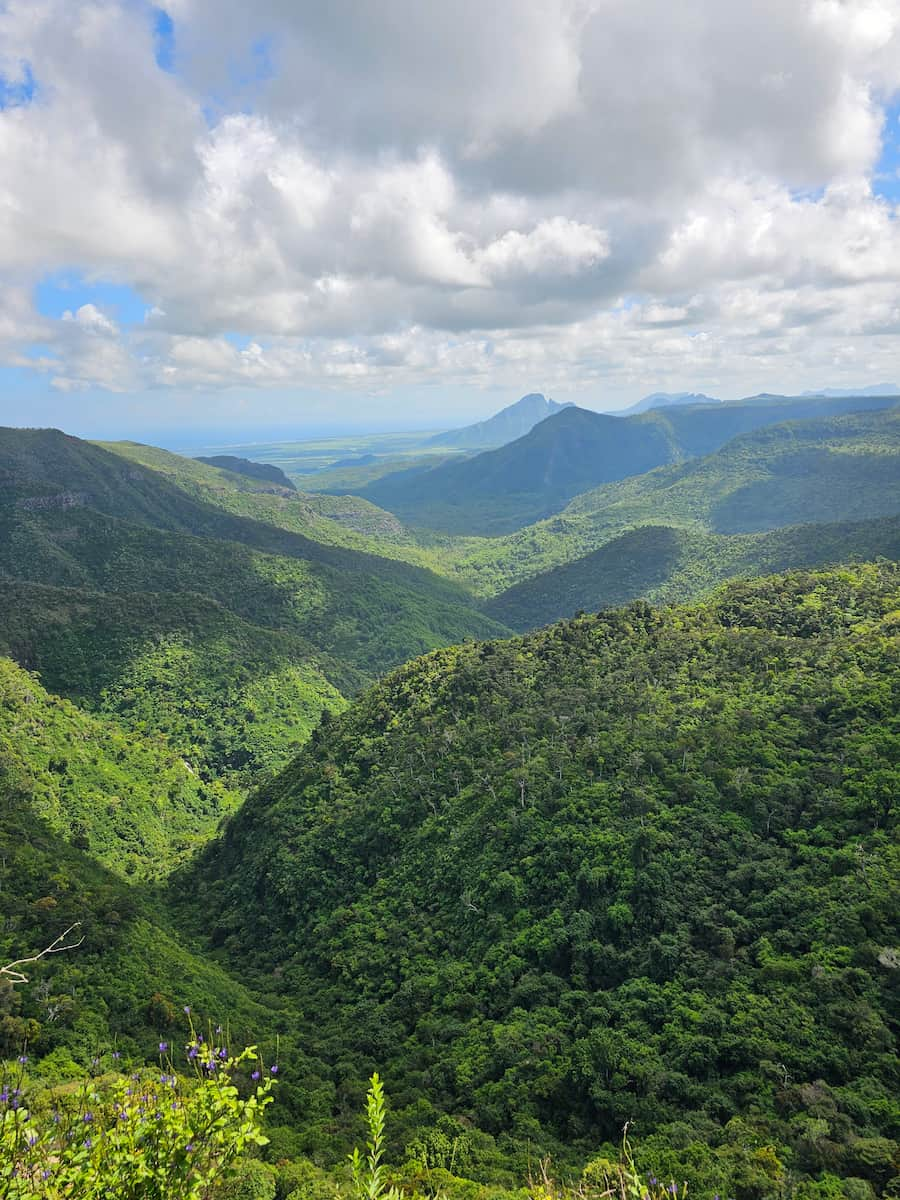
[(150, 1135)]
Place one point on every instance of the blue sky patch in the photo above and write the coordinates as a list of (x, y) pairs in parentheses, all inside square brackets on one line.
[(886, 177), (239, 340), (163, 40), (14, 93), (67, 291)]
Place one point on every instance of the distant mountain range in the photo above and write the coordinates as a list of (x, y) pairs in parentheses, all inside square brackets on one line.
[(499, 491), (505, 426), (799, 494), (665, 400)]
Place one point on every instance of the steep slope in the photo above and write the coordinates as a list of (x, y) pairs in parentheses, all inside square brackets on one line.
[(232, 699), (331, 519), (130, 801), (502, 490), (636, 867), (127, 982), (825, 469), (662, 563), (525, 480), (510, 423)]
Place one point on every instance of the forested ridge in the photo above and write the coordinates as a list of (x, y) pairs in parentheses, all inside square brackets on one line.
[(640, 866)]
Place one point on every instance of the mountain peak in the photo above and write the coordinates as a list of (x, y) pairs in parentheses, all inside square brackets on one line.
[(510, 423)]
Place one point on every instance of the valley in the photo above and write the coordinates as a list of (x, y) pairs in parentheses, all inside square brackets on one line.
[(554, 780)]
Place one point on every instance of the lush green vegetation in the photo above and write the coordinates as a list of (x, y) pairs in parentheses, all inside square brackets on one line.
[(637, 867), (125, 985), (332, 519), (140, 1137), (74, 516), (823, 469), (132, 802), (500, 490), (662, 563)]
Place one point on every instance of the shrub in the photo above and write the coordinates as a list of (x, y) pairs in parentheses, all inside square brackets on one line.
[(153, 1135)]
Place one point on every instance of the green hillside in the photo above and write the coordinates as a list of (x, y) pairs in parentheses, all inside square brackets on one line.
[(263, 472), (833, 468), (637, 867), (130, 801), (332, 519), (662, 563), (232, 699), (74, 515), (502, 490)]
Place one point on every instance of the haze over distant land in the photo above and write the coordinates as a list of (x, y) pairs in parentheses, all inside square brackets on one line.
[(877, 389), (238, 221)]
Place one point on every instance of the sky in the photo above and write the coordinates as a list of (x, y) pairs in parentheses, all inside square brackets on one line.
[(224, 216)]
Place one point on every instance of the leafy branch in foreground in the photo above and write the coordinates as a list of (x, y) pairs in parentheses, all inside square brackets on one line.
[(369, 1172)]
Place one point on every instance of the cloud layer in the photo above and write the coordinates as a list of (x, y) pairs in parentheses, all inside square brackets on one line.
[(590, 195)]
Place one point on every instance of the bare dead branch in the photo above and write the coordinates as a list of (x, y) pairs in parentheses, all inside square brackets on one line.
[(14, 975)]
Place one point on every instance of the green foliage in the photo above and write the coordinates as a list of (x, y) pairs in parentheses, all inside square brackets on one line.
[(74, 517), (253, 1181), (369, 1172), (634, 867), (128, 980), (148, 1136), (334, 520), (823, 470), (259, 472)]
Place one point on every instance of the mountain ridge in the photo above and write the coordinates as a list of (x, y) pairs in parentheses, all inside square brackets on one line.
[(498, 491)]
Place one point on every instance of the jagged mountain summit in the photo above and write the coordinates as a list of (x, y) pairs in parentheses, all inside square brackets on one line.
[(666, 400), (505, 426)]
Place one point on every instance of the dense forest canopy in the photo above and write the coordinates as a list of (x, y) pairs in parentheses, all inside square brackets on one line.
[(640, 866)]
